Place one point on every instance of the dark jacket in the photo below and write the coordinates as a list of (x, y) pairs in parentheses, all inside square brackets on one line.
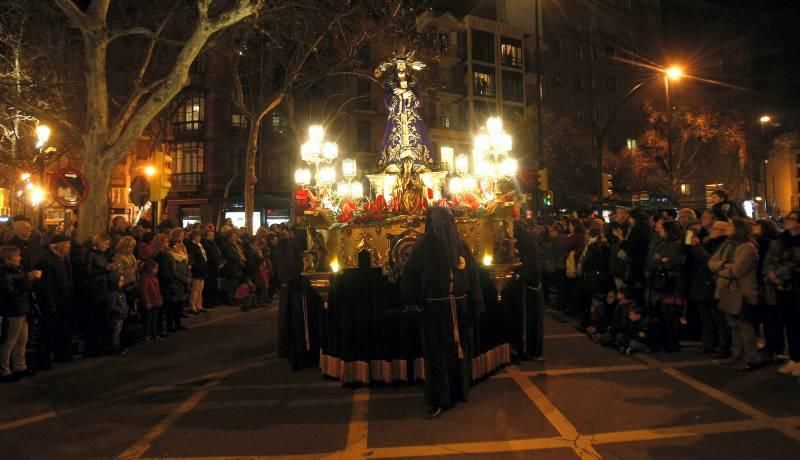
[(30, 250), (636, 246), (198, 263), (97, 276), (15, 292), (726, 210), (783, 258), (174, 276), (234, 264), (672, 267), (701, 280), (214, 255), (117, 303), (640, 331), (55, 291)]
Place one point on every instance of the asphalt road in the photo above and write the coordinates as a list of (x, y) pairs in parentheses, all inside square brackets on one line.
[(217, 391)]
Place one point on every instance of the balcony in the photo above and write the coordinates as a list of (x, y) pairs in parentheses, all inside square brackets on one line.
[(186, 182)]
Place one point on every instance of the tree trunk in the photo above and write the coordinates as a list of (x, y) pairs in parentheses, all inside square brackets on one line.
[(250, 177), (93, 214)]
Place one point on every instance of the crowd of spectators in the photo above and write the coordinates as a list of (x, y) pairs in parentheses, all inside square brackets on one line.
[(128, 286), (646, 280)]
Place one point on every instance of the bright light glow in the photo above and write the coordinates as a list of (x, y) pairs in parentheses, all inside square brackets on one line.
[(335, 266), (749, 208), (349, 168), (326, 175), (330, 150), (388, 185), (29, 186), (485, 169), (36, 196), (42, 135), (494, 125), (674, 73), (764, 119), (462, 164), (470, 184), (758, 198), (508, 167), (316, 133), (356, 190), (487, 259), (149, 171), (456, 185), (447, 154), (343, 188), (24, 176), (482, 143), (302, 176)]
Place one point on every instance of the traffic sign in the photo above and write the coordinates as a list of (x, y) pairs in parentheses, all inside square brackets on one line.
[(69, 187), (140, 191)]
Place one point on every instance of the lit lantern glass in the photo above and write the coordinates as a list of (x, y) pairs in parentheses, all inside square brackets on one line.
[(508, 167), (462, 164), (447, 154), (349, 168), (315, 133), (326, 175), (482, 143), (456, 185), (356, 190), (343, 188), (494, 125)]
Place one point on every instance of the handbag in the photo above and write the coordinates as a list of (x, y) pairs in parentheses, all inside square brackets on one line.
[(731, 298)]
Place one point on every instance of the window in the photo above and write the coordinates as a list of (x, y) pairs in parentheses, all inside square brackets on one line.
[(238, 121), (555, 48), (611, 83), (686, 189), (483, 46), (279, 124), (483, 81), (363, 136), (363, 91), (512, 86), (511, 52), (189, 162), (631, 143), (444, 120), (191, 114), (579, 52)]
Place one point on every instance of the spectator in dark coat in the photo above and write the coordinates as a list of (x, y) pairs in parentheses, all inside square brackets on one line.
[(724, 209), (233, 271), (98, 268), (15, 305), (24, 239), (783, 272), (636, 246), (56, 298), (215, 262), (665, 272), (198, 261), (715, 330), (175, 279)]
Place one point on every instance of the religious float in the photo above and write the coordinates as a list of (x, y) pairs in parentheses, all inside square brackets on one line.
[(360, 232)]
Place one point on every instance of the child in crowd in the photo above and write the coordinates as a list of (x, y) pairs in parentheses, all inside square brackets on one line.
[(637, 337), (151, 299), (600, 313), (617, 319), (117, 310)]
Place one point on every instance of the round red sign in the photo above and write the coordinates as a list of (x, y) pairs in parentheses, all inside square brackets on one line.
[(69, 187)]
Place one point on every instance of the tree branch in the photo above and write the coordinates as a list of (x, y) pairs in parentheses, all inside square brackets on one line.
[(75, 15), (24, 106), (145, 32)]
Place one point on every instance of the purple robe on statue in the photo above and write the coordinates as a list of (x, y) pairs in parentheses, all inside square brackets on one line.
[(405, 130)]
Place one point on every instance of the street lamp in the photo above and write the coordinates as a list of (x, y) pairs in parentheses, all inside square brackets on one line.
[(671, 73), (150, 171), (42, 135), (674, 72)]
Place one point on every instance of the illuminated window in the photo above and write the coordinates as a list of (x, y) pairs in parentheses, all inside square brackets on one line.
[(631, 144), (686, 189), (279, 124), (191, 114), (484, 84), (238, 121), (511, 52), (189, 163)]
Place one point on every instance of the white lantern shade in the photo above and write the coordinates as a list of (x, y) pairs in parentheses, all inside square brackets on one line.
[(482, 143), (388, 185), (356, 190), (447, 154), (302, 176), (330, 150), (508, 167), (316, 133), (343, 188), (349, 168), (494, 125), (462, 164), (504, 142), (470, 184), (326, 175), (485, 169), (456, 185)]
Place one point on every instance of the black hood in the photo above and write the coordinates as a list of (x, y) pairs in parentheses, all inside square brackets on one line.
[(441, 227)]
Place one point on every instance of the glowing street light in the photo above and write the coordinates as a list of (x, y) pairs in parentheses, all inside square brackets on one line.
[(150, 171), (674, 72), (42, 135), (36, 196), (764, 119)]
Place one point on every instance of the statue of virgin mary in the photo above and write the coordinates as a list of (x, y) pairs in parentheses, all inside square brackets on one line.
[(405, 136)]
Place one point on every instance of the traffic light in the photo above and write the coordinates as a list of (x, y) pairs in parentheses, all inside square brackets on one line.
[(608, 187), (160, 180), (543, 180), (548, 198)]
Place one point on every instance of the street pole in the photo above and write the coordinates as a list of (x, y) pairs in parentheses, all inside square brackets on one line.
[(669, 135), (766, 188), (539, 163)]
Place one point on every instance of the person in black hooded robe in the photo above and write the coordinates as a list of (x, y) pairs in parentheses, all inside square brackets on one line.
[(441, 277)]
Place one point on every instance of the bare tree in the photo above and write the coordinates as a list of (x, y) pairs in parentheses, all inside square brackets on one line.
[(109, 115)]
